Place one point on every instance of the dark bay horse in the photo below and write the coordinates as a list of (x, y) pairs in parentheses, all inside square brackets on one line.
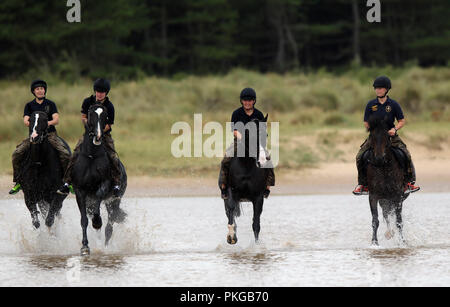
[(92, 179), (246, 179), (41, 173), (385, 178)]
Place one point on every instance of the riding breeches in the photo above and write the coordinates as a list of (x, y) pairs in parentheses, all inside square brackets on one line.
[(110, 151), (396, 141), (225, 167), (55, 142)]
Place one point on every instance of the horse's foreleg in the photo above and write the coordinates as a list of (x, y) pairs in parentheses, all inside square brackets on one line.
[(386, 207), (81, 200), (375, 223), (32, 207), (257, 210), (230, 207), (55, 208), (398, 213), (115, 215), (96, 219)]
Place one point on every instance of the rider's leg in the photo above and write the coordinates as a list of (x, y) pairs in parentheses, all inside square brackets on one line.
[(361, 188), (114, 158), (410, 174), (67, 180), (63, 152), (270, 180), (223, 176), (17, 158)]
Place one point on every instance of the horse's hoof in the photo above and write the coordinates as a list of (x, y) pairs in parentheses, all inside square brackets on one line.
[(36, 224), (97, 222), (231, 240), (85, 251), (374, 243), (49, 221), (35, 221)]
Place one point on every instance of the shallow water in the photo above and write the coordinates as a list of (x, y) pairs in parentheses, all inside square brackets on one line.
[(317, 240)]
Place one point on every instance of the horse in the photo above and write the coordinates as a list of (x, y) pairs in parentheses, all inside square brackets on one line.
[(246, 180), (41, 173), (92, 181), (385, 177)]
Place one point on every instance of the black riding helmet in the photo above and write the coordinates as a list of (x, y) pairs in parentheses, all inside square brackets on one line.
[(382, 81), (38, 83), (102, 85), (248, 94)]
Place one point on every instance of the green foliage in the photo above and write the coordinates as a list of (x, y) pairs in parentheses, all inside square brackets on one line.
[(133, 39)]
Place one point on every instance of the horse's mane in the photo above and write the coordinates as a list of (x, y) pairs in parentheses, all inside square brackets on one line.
[(41, 114), (377, 122)]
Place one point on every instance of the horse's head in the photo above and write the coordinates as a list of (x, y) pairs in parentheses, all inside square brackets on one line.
[(255, 136), (38, 127), (97, 116), (379, 138), (261, 126)]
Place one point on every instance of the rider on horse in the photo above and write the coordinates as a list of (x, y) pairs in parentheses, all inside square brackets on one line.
[(101, 89), (40, 103), (385, 107), (244, 114)]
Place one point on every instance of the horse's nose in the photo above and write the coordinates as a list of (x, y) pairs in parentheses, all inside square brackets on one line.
[(33, 136)]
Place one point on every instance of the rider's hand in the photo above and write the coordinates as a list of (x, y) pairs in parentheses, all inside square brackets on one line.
[(237, 134), (27, 123), (392, 132)]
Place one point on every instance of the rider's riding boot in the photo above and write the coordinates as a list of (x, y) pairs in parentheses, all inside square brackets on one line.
[(361, 190), (15, 189), (266, 193), (411, 188), (224, 193), (64, 190), (116, 191)]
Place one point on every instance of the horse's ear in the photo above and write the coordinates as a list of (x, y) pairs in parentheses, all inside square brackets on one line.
[(265, 118)]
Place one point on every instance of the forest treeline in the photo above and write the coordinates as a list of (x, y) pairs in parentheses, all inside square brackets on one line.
[(129, 39)]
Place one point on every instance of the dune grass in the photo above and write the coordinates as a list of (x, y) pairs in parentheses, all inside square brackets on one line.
[(319, 104)]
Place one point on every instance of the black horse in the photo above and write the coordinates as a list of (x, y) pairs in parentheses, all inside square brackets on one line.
[(92, 181), (385, 177), (41, 173), (246, 179)]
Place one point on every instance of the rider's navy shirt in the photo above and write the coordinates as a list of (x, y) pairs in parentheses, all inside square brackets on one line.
[(390, 108), (239, 115), (47, 106), (88, 102)]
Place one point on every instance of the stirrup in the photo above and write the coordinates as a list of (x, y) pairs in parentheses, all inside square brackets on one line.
[(361, 190)]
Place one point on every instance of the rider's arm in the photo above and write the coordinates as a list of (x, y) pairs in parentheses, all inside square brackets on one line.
[(366, 124), (84, 118), (26, 120), (55, 120), (400, 124)]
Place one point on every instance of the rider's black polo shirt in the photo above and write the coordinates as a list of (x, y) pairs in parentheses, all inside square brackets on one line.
[(47, 106), (390, 108), (239, 115)]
